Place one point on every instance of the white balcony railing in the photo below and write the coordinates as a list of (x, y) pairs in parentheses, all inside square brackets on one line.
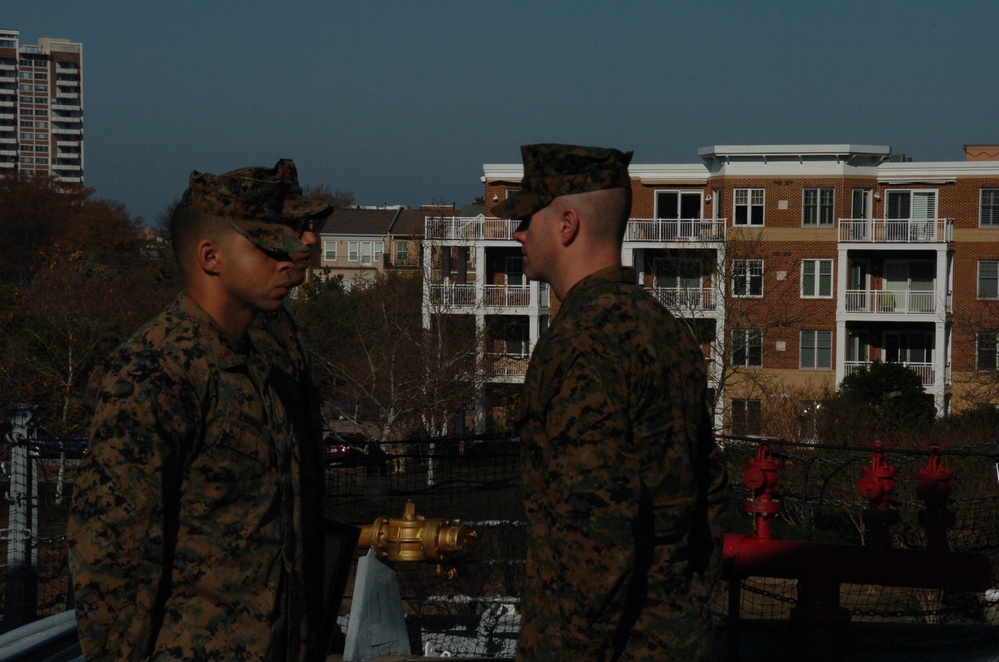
[(680, 300), (926, 371), (507, 295), (452, 295), (888, 301), (469, 228), (661, 230), (896, 231), (506, 365)]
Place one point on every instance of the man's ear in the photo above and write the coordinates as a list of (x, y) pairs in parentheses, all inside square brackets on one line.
[(568, 226), (208, 256)]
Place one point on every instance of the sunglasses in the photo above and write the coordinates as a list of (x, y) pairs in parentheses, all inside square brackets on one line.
[(303, 225)]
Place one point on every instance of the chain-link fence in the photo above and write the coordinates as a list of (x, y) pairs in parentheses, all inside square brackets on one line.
[(475, 481)]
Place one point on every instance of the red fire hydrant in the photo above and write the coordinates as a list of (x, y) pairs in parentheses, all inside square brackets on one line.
[(934, 488), (877, 485), (761, 476)]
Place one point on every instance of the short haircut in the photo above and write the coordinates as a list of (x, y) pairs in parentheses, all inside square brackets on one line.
[(605, 212), (188, 227)]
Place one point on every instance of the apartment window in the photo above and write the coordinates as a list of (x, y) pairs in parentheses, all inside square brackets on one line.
[(747, 278), (353, 251), (329, 250), (987, 359), (988, 215), (816, 350), (816, 279), (674, 205), (988, 279), (747, 417), (515, 272), (401, 252), (903, 204), (366, 257), (817, 207), (748, 206), (747, 348)]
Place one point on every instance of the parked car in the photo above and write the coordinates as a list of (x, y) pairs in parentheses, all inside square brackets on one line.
[(341, 452)]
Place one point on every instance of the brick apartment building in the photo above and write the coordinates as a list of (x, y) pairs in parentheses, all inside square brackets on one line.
[(793, 264), (41, 107)]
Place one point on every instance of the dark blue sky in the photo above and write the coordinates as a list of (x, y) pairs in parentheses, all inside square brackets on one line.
[(402, 102)]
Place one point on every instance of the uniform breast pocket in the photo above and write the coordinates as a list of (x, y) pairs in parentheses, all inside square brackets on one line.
[(241, 456)]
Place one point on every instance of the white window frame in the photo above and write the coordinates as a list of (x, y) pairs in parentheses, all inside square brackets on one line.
[(814, 341), (931, 195), (748, 200), (988, 199), (514, 269), (818, 213), (746, 272), (329, 250), (353, 251), (745, 340), (991, 276), (401, 251), (366, 254), (818, 277), (985, 339), (691, 199)]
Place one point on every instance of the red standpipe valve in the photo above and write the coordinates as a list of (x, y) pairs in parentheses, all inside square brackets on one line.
[(933, 489), (877, 485), (762, 476)]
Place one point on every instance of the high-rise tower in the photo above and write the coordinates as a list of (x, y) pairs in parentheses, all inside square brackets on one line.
[(41, 107)]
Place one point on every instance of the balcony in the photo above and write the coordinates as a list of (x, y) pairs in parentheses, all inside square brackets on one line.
[(926, 371), (896, 231), (462, 295), (682, 300), (890, 301), (507, 296), (506, 365), (659, 230), (451, 295), (470, 228)]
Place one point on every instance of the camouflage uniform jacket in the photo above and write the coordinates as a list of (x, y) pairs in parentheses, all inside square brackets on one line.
[(623, 483), (186, 534)]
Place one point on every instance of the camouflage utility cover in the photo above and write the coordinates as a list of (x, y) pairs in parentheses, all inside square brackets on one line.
[(188, 529), (265, 205), (624, 485), (551, 170)]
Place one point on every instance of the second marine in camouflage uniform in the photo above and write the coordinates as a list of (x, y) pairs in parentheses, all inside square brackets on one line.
[(622, 546), (623, 482)]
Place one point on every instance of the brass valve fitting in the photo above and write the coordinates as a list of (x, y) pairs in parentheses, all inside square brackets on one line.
[(415, 538)]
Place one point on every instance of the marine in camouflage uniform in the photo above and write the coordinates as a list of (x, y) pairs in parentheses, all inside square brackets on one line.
[(623, 484), (196, 526)]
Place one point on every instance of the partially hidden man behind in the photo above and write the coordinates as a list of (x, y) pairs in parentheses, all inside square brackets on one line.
[(624, 485), (196, 525)]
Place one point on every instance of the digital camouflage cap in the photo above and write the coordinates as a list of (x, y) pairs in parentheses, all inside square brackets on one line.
[(265, 205), (552, 170)]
